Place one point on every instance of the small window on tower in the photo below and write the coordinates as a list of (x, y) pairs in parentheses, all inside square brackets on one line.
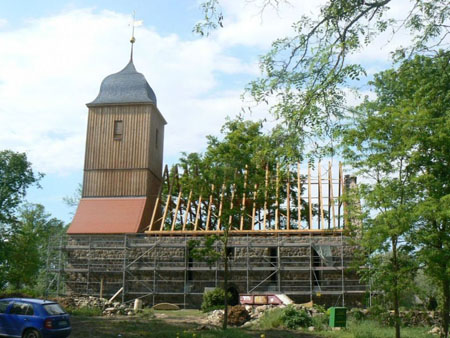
[(118, 130), (156, 138)]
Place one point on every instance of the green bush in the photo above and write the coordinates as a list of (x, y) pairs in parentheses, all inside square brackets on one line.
[(85, 311), (320, 308), (214, 300), (357, 314), (320, 321), (293, 318), (271, 319), (20, 293)]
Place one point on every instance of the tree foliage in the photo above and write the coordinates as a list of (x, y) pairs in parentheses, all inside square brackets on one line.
[(401, 142), (16, 175), (307, 72), (26, 246)]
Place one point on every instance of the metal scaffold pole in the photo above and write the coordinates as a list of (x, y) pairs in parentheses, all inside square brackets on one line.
[(59, 267), (310, 269), (124, 272), (248, 265), (88, 267), (185, 272), (342, 270)]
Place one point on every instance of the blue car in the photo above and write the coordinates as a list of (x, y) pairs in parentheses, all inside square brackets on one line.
[(33, 318)]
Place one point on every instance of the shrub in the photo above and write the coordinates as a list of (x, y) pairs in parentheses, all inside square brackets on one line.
[(21, 293), (293, 318), (237, 315), (214, 300), (85, 311), (271, 319), (320, 321), (357, 314), (319, 308)]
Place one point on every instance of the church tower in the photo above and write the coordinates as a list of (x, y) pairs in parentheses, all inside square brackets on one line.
[(123, 159)]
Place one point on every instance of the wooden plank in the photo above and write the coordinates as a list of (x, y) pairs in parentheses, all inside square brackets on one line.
[(230, 218), (167, 206), (222, 195), (322, 219), (255, 196), (244, 199), (197, 215), (266, 187), (157, 202), (331, 195), (210, 202), (322, 232), (166, 211), (277, 196), (175, 214), (344, 204), (310, 225), (115, 295), (188, 210)]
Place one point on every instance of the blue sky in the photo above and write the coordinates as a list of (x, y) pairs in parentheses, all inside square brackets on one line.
[(54, 55)]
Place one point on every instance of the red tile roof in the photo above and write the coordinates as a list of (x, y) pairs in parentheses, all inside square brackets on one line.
[(109, 216)]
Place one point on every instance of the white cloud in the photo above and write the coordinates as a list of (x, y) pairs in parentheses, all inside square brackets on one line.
[(53, 66)]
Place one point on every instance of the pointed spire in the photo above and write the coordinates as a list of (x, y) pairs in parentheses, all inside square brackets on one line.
[(134, 23), (133, 39)]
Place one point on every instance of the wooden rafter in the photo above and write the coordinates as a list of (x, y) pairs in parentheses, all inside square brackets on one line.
[(180, 212)]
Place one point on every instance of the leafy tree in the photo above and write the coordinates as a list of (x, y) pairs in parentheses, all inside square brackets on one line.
[(244, 144), (27, 243), (238, 162), (208, 251), (421, 89), (16, 175), (401, 142), (73, 200), (307, 72)]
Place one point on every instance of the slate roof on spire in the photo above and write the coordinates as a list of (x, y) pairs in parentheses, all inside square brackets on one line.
[(126, 86)]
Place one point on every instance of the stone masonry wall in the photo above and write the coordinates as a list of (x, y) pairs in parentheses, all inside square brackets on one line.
[(160, 267)]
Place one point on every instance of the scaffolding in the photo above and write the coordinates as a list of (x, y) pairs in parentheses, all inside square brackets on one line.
[(160, 268)]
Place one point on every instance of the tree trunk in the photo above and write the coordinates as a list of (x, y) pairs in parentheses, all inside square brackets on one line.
[(225, 286), (445, 307), (396, 295)]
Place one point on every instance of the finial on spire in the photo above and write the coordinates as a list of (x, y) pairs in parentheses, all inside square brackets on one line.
[(134, 23)]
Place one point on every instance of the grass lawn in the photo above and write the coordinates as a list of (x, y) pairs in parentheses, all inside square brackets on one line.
[(191, 323), (182, 324), (371, 329)]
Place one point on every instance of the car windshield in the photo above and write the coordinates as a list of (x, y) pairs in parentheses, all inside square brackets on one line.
[(54, 309)]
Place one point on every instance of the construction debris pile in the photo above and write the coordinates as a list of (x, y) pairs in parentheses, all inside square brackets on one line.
[(107, 308)]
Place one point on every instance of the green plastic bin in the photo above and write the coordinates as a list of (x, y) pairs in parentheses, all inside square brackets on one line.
[(338, 317)]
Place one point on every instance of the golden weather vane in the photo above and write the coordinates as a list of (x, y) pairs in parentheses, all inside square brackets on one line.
[(133, 24)]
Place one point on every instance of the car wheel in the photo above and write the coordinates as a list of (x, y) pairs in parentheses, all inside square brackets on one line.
[(31, 333)]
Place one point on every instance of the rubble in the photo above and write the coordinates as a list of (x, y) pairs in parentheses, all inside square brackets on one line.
[(216, 317), (107, 308), (435, 331)]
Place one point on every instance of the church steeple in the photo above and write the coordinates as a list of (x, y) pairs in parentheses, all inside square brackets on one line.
[(124, 156)]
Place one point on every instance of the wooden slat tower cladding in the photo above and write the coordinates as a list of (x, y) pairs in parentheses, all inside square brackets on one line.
[(128, 166), (294, 199), (122, 170)]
